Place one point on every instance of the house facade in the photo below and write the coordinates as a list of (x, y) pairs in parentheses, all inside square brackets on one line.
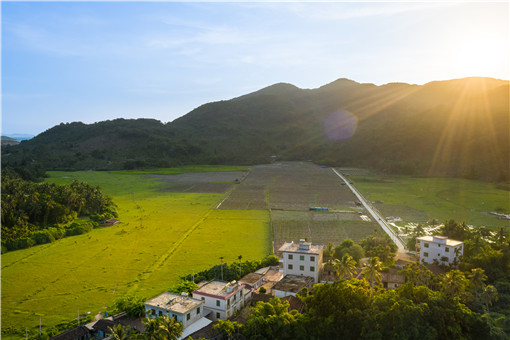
[(291, 285), (184, 308), (302, 259), (440, 248), (221, 298)]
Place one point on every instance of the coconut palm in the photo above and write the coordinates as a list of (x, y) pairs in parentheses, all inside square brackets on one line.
[(345, 267), (488, 294), (119, 332), (371, 271), (170, 328), (453, 283)]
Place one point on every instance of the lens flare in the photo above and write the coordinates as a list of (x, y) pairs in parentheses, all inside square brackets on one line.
[(339, 125)]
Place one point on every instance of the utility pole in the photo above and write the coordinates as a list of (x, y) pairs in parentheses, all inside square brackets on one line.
[(40, 326), (78, 318)]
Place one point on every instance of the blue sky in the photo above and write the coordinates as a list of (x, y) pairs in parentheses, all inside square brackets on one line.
[(94, 61)]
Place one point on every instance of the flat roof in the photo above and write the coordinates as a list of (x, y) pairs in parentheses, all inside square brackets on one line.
[(251, 278), (219, 289), (449, 242), (174, 303), (293, 283), (302, 248)]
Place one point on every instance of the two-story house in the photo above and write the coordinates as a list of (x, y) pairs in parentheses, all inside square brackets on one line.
[(222, 299)]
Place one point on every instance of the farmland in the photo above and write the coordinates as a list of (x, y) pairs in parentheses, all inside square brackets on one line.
[(422, 199), (163, 235), (289, 189)]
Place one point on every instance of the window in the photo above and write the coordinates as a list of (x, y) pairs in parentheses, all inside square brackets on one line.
[(217, 315), (203, 298), (291, 257), (446, 249), (241, 293), (198, 310), (312, 268), (153, 311), (312, 258), (217, 303), (188, 316), (444, 259), (290, 266), (301, 268), (160, 313), (302, 257), (426, 245), (426, 254)]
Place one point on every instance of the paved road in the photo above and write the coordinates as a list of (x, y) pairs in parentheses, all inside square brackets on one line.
[(378, 218)]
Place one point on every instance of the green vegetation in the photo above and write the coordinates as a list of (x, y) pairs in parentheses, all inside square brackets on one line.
[(38, 213), (162, 237), (456, 128), (423, 199)]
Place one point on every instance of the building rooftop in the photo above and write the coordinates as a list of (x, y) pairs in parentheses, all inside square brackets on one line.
[(440, 239), (219, 289), (174, 303), (301, 247), (251, 278), (293, 283)]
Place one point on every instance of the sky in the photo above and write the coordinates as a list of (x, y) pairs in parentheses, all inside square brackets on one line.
[(95, 61)]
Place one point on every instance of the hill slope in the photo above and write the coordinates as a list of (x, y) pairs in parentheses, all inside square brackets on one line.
[(448, 128)]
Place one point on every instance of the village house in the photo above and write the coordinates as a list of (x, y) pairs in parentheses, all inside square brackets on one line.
[(439, 248), (183, 308), (292, 285), (221, 298), (303, 259)]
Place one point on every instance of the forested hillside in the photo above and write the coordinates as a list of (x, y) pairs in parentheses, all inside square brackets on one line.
[(448, 128)]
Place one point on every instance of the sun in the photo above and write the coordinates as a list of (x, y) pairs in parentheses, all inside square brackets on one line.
[(483, 56)]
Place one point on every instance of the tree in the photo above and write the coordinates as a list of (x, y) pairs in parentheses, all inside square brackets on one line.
[(240, 257), (329, 251), (371, 271), (170, 328), (120, 332), (185, 286), (132, 305), (453, 283), (227, 328), (346, 267), (488, 294)]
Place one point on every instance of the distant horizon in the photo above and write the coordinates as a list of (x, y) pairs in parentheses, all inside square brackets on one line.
[(96, 61), (31, 135)]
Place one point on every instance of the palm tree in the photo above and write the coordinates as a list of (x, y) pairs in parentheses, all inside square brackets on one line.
[(477, 278), (119, 332), (489, 294), (453, 283), (240, 257), (151, 328), (371, 271), (170, 328), (221, 267), (345, 267)]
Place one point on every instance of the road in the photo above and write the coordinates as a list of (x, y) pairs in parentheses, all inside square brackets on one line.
[(378, 218)]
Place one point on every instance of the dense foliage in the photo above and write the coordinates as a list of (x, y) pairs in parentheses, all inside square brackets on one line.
[(438, 129), (36, 213)]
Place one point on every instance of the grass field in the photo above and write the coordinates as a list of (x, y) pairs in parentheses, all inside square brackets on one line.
[(163, 236), (423, 199)]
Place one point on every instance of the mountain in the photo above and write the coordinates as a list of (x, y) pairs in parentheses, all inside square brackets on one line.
[(445, 128)]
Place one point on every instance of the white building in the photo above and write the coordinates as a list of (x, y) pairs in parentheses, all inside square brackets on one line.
[(222, 299), (303, 259), (440, 248), (185, 309)]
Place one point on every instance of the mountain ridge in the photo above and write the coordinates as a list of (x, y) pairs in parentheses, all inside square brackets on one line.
[(442, 128)]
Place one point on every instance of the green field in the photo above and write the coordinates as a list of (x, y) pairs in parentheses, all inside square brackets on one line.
[(162, 236), (422, 199)]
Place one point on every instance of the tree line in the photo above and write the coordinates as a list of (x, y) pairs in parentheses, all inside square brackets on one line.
[(35, 213)]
